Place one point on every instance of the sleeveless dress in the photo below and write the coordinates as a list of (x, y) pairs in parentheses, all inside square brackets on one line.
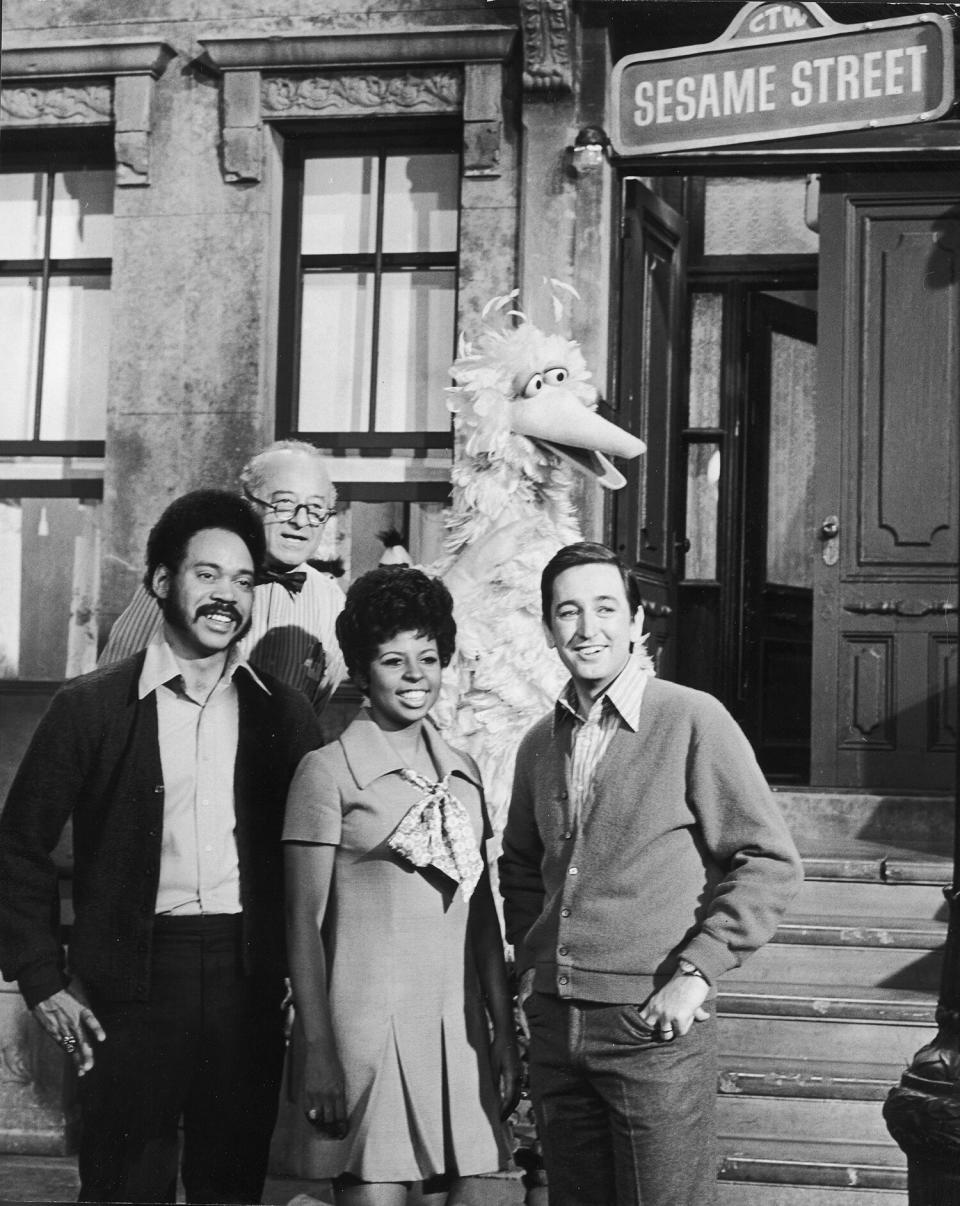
[(408, 1014)]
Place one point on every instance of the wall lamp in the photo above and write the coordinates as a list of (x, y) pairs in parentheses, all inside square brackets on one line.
[(589, 150)]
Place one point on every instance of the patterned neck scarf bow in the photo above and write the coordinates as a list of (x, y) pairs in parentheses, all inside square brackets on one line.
[(436, 831)]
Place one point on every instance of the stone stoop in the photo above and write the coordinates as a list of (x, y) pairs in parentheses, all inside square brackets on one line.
[(38, 1097), (820, 1024)]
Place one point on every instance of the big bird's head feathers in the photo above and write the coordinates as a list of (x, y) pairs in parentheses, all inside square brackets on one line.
[(523, 401)]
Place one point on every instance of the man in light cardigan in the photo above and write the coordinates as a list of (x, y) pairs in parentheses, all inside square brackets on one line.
[(643, 857)]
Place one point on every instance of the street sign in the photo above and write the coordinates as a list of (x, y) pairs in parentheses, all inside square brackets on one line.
[(782, 70)]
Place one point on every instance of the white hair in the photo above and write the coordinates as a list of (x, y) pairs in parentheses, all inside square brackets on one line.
[(252, 474)]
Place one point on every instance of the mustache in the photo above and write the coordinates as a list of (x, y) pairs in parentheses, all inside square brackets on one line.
[(219, 609)]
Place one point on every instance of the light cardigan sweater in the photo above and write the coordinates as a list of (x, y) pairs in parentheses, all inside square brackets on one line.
[(682, 852)]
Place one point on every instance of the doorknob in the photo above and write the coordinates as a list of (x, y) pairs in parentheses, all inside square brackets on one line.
[(830, 535), (830, 528)]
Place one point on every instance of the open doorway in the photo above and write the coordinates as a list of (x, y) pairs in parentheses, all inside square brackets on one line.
[(731, 318)]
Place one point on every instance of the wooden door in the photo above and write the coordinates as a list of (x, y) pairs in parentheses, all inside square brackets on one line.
[(652, 318), (885, 597)]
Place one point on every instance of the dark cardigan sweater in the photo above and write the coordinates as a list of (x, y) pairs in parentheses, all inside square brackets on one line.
[(95, 758), (683, 852)]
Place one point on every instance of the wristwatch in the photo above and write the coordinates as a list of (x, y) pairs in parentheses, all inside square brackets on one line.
[(686, 968)]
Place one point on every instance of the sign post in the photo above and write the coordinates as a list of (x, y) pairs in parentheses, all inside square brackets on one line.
[(783, 70)]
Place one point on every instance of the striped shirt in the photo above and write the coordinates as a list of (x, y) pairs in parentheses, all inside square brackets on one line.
[(291, 636), (618, 705)]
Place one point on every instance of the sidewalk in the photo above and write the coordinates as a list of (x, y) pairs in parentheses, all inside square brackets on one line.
[(54, 1179)]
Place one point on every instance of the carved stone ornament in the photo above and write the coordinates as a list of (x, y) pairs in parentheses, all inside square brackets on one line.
[(56, 104), (351, 93), (546, 29), (108, 81)]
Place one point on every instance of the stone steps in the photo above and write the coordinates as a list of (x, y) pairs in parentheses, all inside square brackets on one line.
[(839, 1167), (873, 898), (787, 1119), (870, 931), (819, 1025), (876, 965), (777, 1076), (760, 1193)]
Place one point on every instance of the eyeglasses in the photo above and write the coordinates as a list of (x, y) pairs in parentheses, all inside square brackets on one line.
[(314, 513)]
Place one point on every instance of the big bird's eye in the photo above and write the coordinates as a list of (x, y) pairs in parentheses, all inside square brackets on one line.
[(555, 376), (533, 386)]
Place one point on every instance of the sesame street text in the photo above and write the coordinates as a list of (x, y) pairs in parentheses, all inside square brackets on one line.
[(826, 80), (747, 88)]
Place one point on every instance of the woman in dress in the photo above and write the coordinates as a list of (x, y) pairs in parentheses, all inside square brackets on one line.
[(409, 1060)]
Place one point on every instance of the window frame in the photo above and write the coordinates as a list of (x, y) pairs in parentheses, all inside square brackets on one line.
[(391, 136), (49, 153)]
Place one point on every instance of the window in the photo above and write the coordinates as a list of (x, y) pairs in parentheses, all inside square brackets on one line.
[(56, 234), (373, 254), (55, 246), (51, 551), (368, 328)]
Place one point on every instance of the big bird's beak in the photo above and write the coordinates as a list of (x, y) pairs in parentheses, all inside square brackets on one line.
[(560, 422)]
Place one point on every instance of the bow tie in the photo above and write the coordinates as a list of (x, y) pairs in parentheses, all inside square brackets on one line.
[(292, 580)]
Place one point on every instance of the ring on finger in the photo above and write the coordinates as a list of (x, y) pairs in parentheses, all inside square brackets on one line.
[(68, 1043)]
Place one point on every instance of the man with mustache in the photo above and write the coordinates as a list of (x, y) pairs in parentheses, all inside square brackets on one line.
[(295, 607), (173, 766)]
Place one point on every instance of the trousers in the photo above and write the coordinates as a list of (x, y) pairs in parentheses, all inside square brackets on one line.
[(625, 1118), (200, 1059)]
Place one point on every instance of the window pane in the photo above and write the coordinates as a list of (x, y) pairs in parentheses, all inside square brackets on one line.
[(790, 514), (76, 360), (339, 206), (82, 215), (703, 480), (421, 203), (752, 216), (19, 332), (335, 352), (706, 329), (416, 347), (22, 202), (51, 551)]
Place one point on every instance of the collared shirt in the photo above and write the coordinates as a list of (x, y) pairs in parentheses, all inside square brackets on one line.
[(199, 865), (291, 636), (618, 705)]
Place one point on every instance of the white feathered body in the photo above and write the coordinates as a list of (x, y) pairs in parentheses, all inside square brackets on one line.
[(512, 509)]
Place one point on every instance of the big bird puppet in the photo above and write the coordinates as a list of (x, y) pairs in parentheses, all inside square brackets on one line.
[(525, 423)]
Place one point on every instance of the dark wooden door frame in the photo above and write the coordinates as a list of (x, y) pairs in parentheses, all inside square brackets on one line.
[(651, 307)]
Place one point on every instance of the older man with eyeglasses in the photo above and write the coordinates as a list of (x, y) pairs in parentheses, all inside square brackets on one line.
[(295, 606)]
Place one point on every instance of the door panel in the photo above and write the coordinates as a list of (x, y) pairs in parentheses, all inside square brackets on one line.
[(774, 647), (885, 589), (652, 291)]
